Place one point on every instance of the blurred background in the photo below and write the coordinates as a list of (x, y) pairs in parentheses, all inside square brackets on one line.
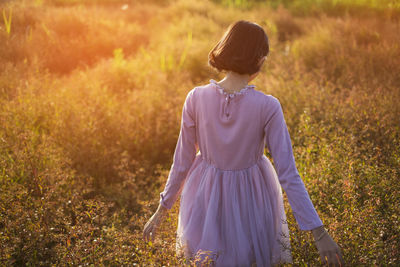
[(91, 94)]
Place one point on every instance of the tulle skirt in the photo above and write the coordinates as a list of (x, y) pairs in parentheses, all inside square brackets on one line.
[(233, 218)]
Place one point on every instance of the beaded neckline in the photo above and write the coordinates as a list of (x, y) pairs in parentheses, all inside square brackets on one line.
[(231, 95)]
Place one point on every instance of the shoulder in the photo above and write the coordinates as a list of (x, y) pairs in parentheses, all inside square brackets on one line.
[(191, 94), (269, 102), (201, 93), (271, 108), (197, 90), (202, 89), (194, 96)]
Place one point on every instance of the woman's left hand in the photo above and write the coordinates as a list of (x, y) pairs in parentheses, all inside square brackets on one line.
[(150, 229), (329, 251)]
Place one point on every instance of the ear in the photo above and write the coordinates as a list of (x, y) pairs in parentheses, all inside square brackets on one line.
[(261, 61)]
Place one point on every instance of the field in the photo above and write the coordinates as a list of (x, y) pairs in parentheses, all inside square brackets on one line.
[(91, 94)]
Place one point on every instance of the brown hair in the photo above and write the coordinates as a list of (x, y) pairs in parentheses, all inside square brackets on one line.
[(240, 48)]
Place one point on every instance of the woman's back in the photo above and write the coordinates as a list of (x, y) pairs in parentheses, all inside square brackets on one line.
[(230, 128)]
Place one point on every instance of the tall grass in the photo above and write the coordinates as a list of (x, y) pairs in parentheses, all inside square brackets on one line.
[(90, 101), (7, 21)]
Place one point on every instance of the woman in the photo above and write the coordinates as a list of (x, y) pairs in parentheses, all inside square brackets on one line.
[(231, 208)]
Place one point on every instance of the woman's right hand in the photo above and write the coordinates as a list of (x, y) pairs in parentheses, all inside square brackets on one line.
[(327, 248), (150, 229)]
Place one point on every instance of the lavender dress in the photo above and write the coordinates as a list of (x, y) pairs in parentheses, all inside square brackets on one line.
[(231, 207)]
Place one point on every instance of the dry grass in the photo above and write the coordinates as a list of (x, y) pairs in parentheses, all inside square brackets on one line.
[(90, 102)]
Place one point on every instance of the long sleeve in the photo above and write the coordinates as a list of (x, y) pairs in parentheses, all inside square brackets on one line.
[(280, 146), (184, 154)]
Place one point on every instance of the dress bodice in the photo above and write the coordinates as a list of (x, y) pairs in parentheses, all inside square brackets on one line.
[(229, 131)]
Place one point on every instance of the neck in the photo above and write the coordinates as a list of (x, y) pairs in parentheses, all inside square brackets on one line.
[(233, 81)]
